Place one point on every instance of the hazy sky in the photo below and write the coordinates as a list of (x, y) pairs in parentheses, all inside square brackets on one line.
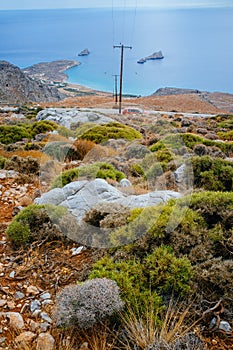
[(43, 4)]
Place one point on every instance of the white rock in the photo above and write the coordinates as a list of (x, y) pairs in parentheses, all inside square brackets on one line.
[(225, 326), (76, 251)]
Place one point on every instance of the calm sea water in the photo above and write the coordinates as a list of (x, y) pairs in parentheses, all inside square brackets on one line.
[(196, 43)]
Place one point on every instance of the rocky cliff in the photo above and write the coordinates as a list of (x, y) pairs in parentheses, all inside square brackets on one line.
[(18, 87)]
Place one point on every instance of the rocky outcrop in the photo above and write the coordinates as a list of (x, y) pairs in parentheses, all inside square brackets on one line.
[(68, 116), (174, 91), (85, 52), (154, 56), (18, 87), (51, 71), (81, 196)]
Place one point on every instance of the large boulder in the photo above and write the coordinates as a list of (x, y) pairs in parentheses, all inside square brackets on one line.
[(81, 196), (68, 116)]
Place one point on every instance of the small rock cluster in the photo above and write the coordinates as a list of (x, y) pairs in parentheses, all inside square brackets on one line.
[(23, 313)]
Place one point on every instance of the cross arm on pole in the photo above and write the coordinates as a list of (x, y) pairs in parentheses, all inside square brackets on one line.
[(122, 47)]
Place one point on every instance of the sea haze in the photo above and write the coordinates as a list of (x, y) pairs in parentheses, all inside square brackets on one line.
[(196, 43)]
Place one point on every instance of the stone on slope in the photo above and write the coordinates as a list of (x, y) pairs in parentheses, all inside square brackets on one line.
[(68, 116), (85, 195)]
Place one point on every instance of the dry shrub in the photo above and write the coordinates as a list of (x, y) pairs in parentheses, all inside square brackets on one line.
[(99, 153), (86, 305), (83, 147)]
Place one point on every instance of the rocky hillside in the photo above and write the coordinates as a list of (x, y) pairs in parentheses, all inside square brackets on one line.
[(17, 87)]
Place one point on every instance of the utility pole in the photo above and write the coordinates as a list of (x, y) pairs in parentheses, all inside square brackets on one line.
[(122, 47), (116, 95)]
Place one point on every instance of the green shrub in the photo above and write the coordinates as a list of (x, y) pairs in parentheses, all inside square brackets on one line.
[(226, 135), (157, 146), (131, 280), (167, 273), (2, 162), (155, 274), (136, 170), (65, 178), (212, 174), (63, 131), (97, 170), (42, 127), (13, 133), (81, 129), (164, 155), (35, 222), (107, 171), (102, 133)]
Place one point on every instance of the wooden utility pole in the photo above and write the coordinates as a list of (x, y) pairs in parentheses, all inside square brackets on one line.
[(122, 47), (116, 93)]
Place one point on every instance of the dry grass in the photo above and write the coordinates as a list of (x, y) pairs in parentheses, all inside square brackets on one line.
[(144, 331)]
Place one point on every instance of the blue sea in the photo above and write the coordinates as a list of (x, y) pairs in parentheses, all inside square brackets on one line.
[(197, 45)]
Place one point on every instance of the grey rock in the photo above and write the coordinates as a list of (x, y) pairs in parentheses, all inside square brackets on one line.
[(45, 296), (46, 317), (44, 326), (225, 326), (125, 183), (99, 191), (68, 116), (35, 305), (47, 302), (3, 302), (2, 340), (55, 196), (45, 342), (12, 274), (76, 251), (19, 295)]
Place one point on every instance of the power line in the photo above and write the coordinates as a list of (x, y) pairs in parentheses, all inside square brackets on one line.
[(122, 47)]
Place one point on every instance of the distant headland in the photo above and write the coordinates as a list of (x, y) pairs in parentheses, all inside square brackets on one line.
[(51, 71)]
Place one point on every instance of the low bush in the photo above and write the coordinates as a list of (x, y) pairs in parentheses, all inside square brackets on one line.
[(212, 174), (197, 227), (2, 162), (13, 133), (107, 171), (42, 127), (102, 133), (61, 150), (189, 140), (97, 170), (35, 222), (88, 304), (22, 165), (157, 273), (65, 178), (228, 136)]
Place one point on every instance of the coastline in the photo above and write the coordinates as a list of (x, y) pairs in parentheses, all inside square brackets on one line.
[(55, 70)]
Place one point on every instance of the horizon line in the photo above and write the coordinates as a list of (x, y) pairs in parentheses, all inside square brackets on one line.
[(171, 7)]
